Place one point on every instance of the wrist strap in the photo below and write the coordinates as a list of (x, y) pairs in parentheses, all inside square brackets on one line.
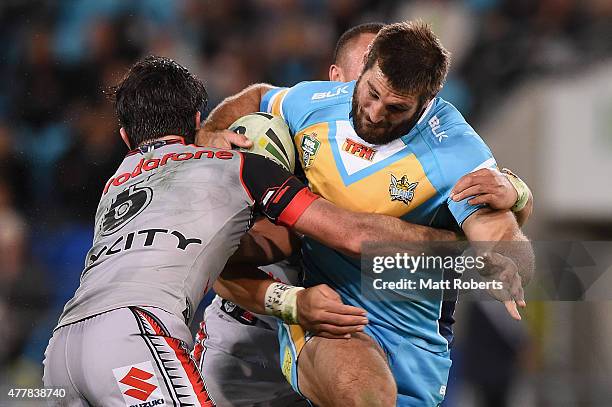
[(281, 302), (522, 190)]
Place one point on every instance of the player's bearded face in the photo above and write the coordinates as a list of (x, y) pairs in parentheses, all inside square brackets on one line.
[(381, 115)]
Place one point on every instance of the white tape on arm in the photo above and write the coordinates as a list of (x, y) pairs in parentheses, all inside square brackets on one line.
[(281, 302)]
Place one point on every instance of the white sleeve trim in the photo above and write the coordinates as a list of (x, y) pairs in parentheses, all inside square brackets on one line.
[(273, 99), (486, 164), (280, 108), (271, 102)]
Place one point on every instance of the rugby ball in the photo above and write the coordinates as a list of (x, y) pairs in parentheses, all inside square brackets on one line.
[(270, 136)]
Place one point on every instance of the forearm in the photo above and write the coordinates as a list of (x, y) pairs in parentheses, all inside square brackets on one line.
[(244, 285), (497, 231), (349, 230), (264, 244), (382, 228), (317, 309), (522, 254), (253, 290), (515, 245), (236, 106)]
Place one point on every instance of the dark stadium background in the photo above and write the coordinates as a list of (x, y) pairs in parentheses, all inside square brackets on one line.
[(533, 77)]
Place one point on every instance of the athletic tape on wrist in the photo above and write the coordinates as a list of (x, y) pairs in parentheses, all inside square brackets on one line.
[(521, 188), (281, 302)]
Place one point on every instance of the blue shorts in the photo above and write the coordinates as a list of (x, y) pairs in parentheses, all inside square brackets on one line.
[(420, 374)]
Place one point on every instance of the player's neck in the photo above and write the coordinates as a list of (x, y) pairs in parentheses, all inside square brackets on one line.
[(164, 138)]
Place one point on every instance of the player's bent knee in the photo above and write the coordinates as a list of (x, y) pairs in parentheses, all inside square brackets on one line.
[(346, 373), (374, 394), (363, 388), (364, 397)]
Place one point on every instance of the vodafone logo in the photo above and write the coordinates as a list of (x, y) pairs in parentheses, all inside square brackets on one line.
[(144, 166), (139, 385)]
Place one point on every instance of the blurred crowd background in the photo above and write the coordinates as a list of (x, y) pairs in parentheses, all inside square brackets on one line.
[(534, 77)]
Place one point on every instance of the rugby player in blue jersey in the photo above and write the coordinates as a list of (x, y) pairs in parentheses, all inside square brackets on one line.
[(357, 141)]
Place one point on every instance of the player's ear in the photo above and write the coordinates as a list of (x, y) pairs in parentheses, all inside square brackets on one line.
[(335, 73), (198, 116), (124, 137)]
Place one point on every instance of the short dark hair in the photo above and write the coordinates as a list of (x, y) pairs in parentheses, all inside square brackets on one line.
[(352, 33), (411, 57), (158, 97)]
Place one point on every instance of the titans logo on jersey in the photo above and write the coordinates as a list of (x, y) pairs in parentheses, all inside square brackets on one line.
[(409, 178)]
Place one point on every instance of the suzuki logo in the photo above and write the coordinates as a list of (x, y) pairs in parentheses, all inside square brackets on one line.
[(136, 378)]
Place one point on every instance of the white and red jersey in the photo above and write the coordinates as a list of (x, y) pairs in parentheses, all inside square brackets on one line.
[(169, 219)]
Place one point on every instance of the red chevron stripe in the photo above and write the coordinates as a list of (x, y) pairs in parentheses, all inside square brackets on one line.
[(158, 329), (192, 372), (198, 348)]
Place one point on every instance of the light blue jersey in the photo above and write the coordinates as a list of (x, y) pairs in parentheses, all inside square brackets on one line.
[(410, 178)]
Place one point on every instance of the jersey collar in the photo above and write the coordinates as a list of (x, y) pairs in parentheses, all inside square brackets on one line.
[(160, 142)]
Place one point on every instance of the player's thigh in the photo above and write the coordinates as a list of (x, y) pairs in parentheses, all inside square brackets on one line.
[(345, 372), (133, 356)]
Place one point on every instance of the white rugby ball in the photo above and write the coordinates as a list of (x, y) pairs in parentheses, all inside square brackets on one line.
[(270, 136)]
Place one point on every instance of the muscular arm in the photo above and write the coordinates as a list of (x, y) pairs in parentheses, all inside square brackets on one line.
[(286, 201), (233, 107), (490, 227), (244, 285), (319, 309), (346, 231), (265, 243), (494, 188), (333, 226)]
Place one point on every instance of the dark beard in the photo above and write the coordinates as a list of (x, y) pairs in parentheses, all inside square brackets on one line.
[(390, 133)]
